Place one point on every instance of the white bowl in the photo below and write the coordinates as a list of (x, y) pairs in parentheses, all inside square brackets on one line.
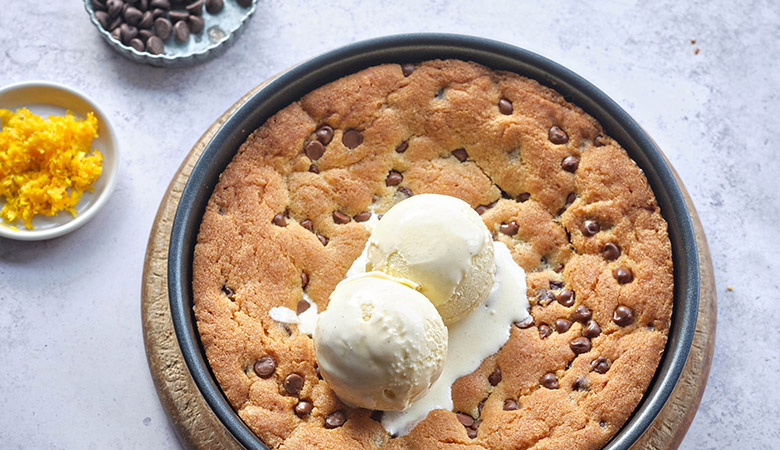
[(44, 99)]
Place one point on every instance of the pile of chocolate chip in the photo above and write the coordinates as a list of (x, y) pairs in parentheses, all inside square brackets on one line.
[(146, 24)]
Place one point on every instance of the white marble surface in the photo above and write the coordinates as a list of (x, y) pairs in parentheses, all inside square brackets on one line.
[(73, 372)]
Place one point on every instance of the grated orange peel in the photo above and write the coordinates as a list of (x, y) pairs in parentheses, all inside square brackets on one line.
[(45, 164)]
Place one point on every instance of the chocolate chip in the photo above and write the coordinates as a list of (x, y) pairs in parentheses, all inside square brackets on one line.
[(137, 44), (159, 12), (114, 7), (495, 377), (591, 330), (590, 227), (460, 154), (229, 292), (323, 239), (103, 19), (528, 322), (154, 45), (317, 372), (465, 420), (571, 198), (402, 147), (559, 268), (544, 331), (302, 306), (523, 197), (570, 163), (308, 225), (550, 381), (511, 405), (472, 434), (557, 135), (610, 252), (196, 24), (544, 297), (265, 367), (314, 169), (114, 26), (146, 21), (314, 150), (214, 6), (133, 16), (279, 220), (376, 415), (580, 345), (600, 365), (162, 28), (293, 383), (352, 138), (195, 8), (335, 419), (599, 141), (340, 218), (481, 209), (178, 16), (509, 229), (480, 405), (562, 325), (582, 314), (162, 4), (565, 297), (304, 280), (602, 424), (303, 408), (505, 107), (580, 384), (181, 31), (406, 191), (623, 316), (407, 69), (394, 178), (324, 134), (556, 284), (99, 5), (362, 217), (127, 33), (623, 275)]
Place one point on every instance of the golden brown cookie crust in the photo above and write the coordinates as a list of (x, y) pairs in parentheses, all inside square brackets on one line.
[(273, 209)]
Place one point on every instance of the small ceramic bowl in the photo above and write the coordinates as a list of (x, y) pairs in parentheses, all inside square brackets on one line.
[(409, 48), (220, 31), (44, 99)]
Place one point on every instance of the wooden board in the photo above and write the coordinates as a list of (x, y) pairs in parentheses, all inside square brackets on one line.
[(198, 428)]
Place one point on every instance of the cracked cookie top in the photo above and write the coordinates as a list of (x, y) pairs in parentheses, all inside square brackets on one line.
[(286, 220)]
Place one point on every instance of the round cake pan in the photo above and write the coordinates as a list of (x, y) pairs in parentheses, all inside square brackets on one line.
[(303, 78)]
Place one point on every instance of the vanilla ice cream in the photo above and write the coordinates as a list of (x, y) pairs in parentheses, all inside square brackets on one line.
[(440, 243), (380, 344)]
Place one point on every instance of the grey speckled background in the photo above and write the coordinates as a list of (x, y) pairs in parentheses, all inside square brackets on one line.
[(73, 372)]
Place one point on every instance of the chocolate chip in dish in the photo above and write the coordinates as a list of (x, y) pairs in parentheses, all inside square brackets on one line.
[(574, 211)]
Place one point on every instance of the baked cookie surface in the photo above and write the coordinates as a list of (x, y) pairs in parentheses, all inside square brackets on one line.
[(287, 217)]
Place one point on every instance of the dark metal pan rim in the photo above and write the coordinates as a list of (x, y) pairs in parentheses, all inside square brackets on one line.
[(297, 81)]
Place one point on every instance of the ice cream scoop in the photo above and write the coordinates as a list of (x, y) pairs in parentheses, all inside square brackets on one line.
[(440, 243), (380, 344)]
